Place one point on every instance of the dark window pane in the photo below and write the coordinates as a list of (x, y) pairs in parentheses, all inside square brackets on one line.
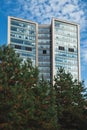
[(28, 48), (61, 48), (13, 28), (71, 49), (44, 51), (17, 47)]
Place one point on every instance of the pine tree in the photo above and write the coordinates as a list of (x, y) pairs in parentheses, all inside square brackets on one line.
[(26, 103), (16, 96), (9, 66), (70, 100), (45, 106)]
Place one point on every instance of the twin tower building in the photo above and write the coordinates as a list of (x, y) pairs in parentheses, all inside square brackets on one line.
[(49, 46)]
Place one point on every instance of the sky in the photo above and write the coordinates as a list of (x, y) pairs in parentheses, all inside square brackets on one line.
[(42, 11)]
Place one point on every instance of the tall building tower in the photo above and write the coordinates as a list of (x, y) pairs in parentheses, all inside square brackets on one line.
[(65, 47), (22, 36), (48, 46)]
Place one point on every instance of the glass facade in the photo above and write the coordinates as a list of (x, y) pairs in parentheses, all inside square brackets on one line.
[(66, 47), (48, 46), (44, 51), (23, 39)]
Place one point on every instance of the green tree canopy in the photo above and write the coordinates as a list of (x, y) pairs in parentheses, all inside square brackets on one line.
[(14, 71), (70, 100), (26, 103)]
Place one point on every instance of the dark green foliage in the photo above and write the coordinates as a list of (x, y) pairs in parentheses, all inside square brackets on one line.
[(25, 107), (25, 102), (13, 71), (70, 101), (45, 106)]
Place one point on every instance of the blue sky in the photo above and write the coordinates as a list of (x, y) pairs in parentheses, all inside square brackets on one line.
[(42, 11)]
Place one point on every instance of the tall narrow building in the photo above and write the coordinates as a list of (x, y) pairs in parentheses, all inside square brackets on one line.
[(65, 47), (44, 52), (48, 46), (23, 37)]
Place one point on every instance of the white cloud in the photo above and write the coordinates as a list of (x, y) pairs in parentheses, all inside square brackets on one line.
[(46, 9), (43, 9), (68, 8)]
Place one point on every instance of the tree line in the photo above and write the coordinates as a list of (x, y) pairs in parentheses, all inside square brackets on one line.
[(30, 103)]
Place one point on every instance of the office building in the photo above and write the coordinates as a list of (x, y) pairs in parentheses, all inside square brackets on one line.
[(65, 47), (48, 46), (22, 36)]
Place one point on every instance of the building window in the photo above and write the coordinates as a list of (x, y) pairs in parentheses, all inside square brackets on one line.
[(70, 49), (26, 37), (17, 41), (44, 51), (17, 47), (28, 48), (19, 36), (61, 48)]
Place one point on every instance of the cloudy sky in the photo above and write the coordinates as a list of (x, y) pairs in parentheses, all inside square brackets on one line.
[(42, 11)]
